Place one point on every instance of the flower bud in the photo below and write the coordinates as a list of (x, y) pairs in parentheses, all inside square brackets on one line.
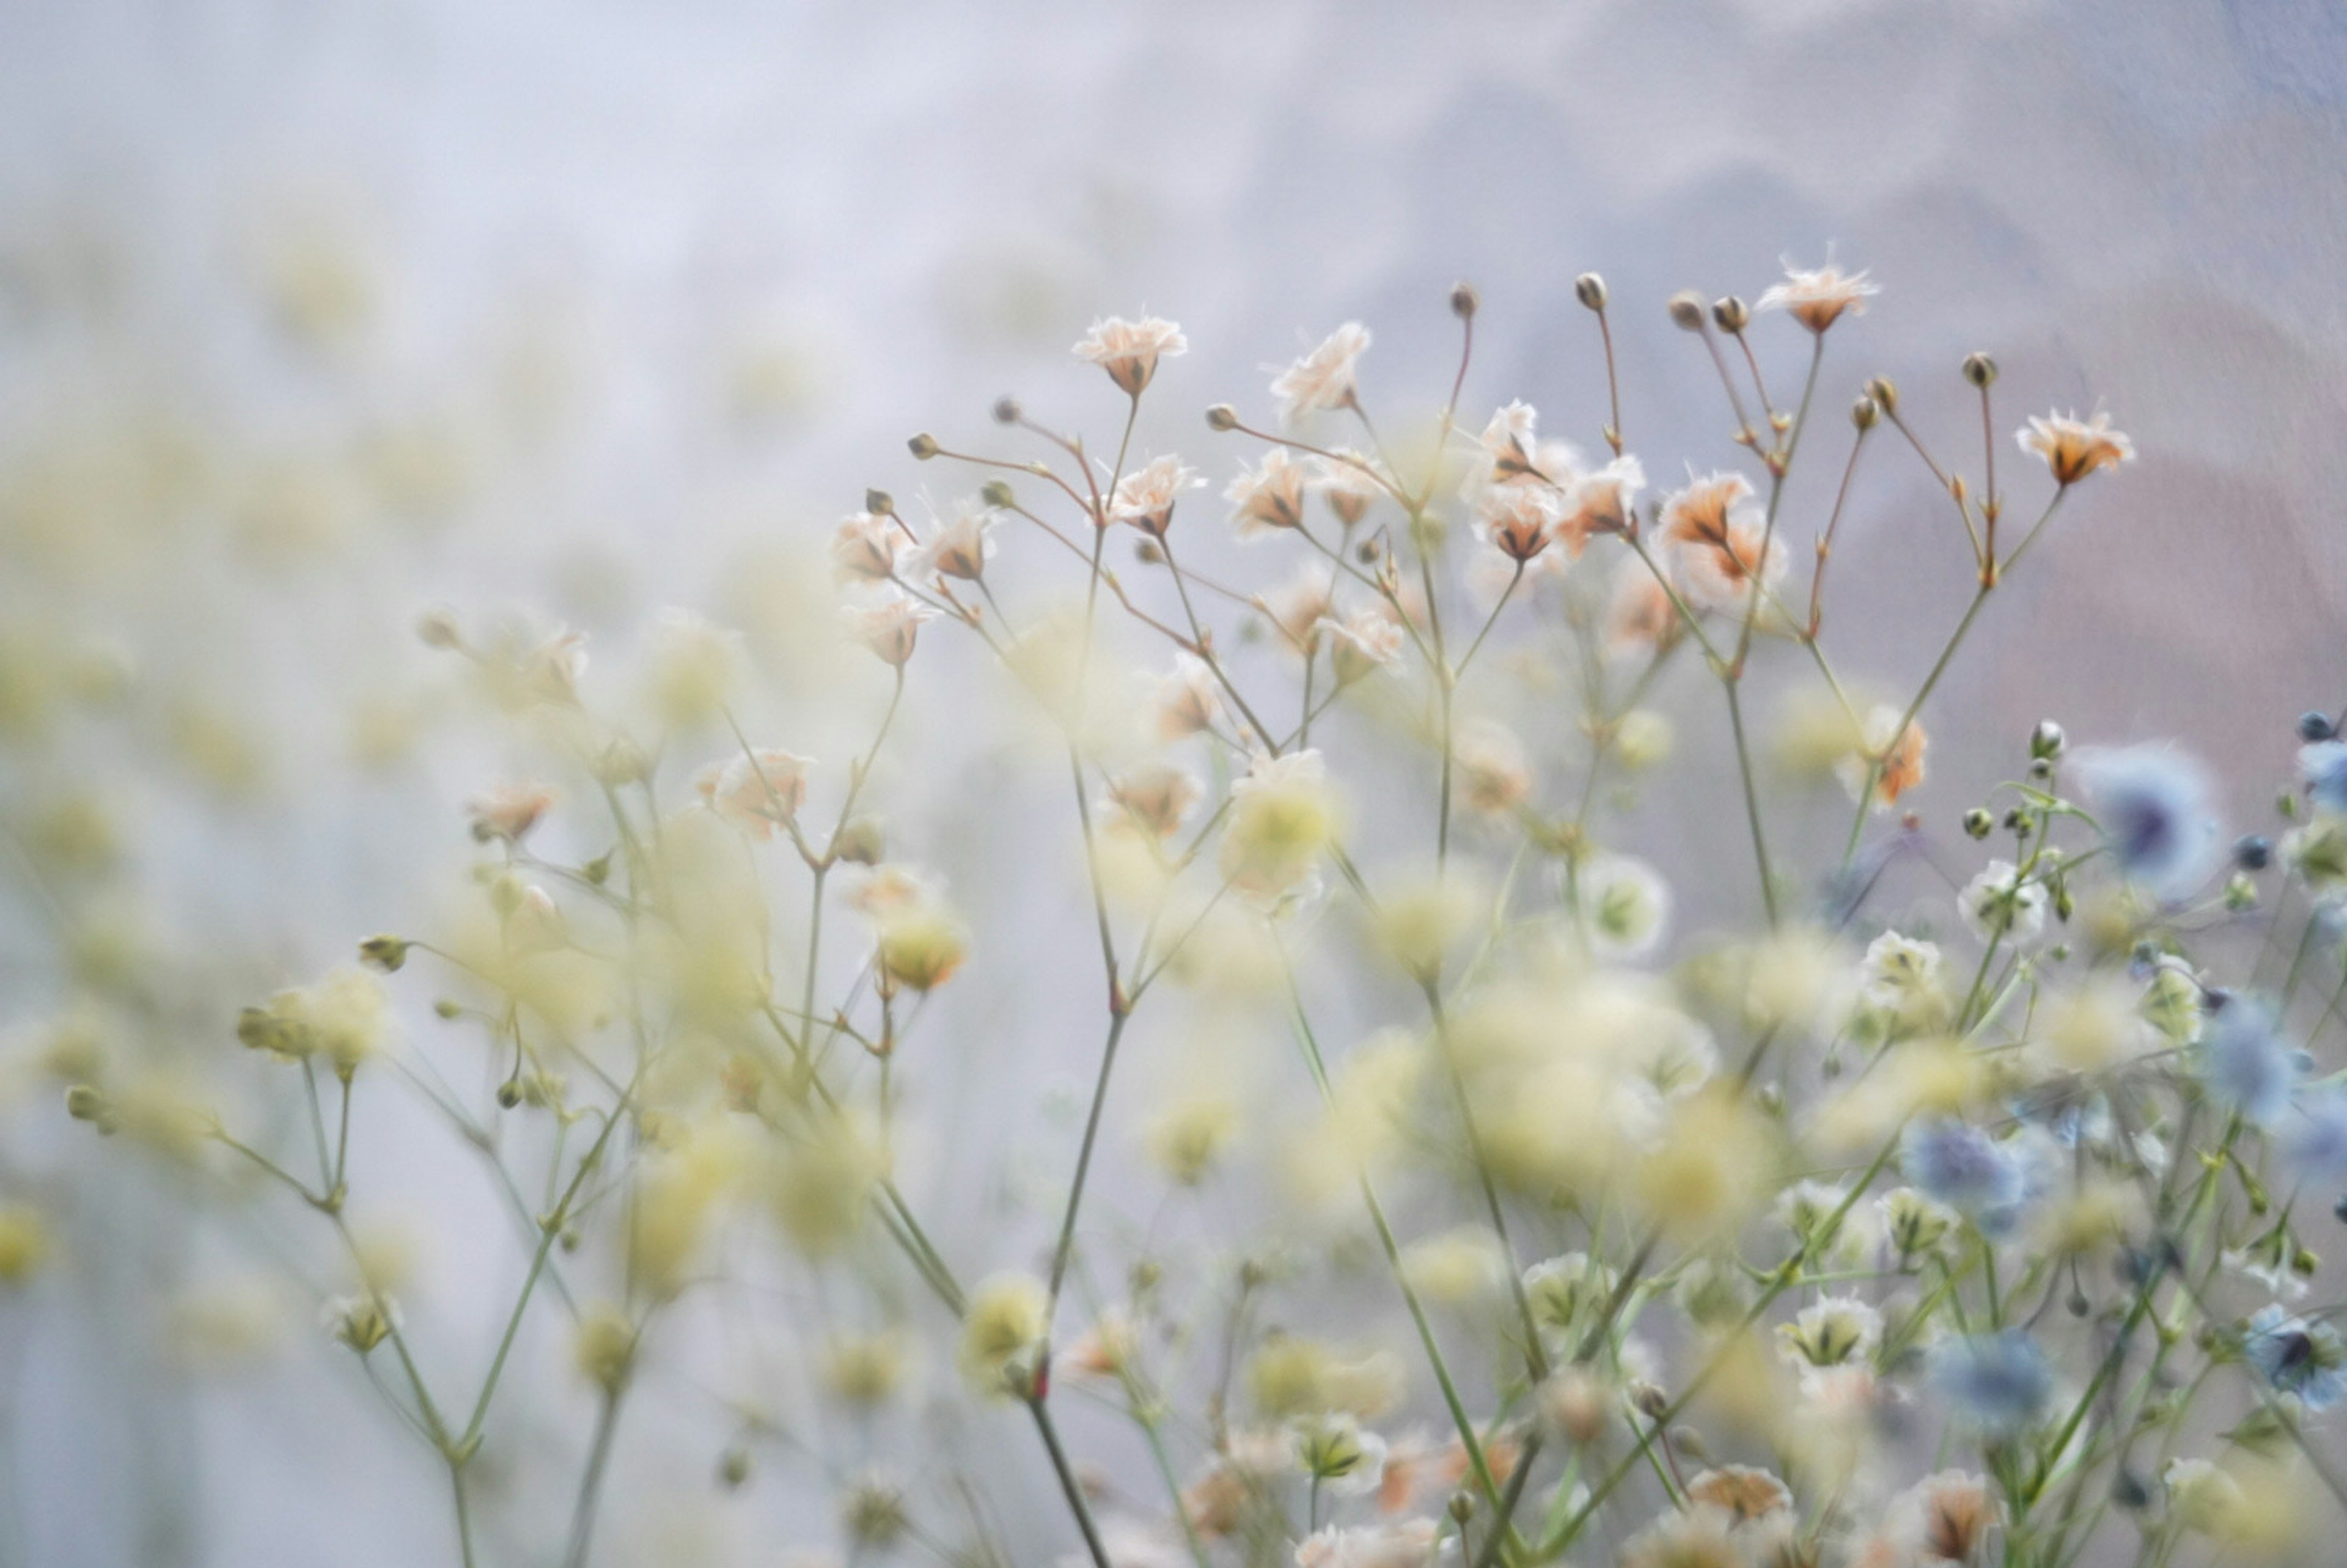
[(1732, 315), (2316, 727), (923, 447), (1864, 413), (998, 494), (1884, 392), (1978, 824), (87, 1103), (1463, 1508), (1006, 411), (2046, 740), (1589, 289), (862, 841), (2253, 852), (1979, 370), (1221, 416), (438, 629), (1464, 302), (733, 1467), (1687, 309), (384, 953), (880, 503)]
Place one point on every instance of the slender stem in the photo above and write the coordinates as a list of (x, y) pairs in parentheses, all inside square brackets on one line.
[(1069, 1484), (1061, 1252), (591, 1485)]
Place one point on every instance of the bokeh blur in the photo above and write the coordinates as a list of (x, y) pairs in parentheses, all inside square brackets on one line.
[(314, 318)]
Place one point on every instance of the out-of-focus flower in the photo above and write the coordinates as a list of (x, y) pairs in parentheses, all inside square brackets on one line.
[(1833, 1331), (1625, 904), (1363, 642), (2323, 766), (757, 792), (1639, 614), (1145, 496), (1741, 1491), (1129, 350), (1913, 1225), (1334, 1450), (1185, 1137), (2074, 447), (1322, 379), (2245, 1064), (1948, 1516), (1350, 483), (1157, 796), (1301, 606), (24, 1243), (1189, 700), (1493, 775), (1281, 819), (1410, 1543), (1960, 1165), (1998, 903), (890, 627), (1002, 1334), (1896, 767), (1516, 520), (1268, 498), (1897, 972), (506, 813), (1818, 297), (693, 667), (2154, 806), (2202, 1498), (1998, 1383), (867, 548), (2302, 1358), (361, 1322), (1716, 540)]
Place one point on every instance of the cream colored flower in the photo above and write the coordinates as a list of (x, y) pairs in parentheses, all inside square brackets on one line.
[(1322, 379), (1268, 498), (1300, 606), (1517, 519), (1145, 496), (1639, 614), (755, 799), (1408, 1544), (1157, 796), (1494, 775), (1818, 298), (1190, 699), (1603, 502), (962, 546), (1363, 642), (2075, 447), (1129, 350)]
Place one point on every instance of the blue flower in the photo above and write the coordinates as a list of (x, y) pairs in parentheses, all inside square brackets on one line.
[(2314, 1142), (2323, 765), (1964, 1168), (2297, 1358), (1998, 1383), (2245, 1065), (2154, 805)]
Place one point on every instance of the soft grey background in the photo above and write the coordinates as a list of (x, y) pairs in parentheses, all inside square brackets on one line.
[(647, 289)]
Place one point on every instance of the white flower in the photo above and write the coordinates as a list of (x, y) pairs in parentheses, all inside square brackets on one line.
[(1625, 905), (1600, 503), (1363, 642), (1997, 903), (1322, 379), (1145, 496), (2075, 447), (1129, 350), (1268, 498), (1817, 298), (1835, 1330), (1300, 606), (1897, 971), (1517, 519)]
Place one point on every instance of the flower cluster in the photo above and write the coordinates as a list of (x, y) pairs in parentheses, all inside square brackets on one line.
[(1484, 1212)]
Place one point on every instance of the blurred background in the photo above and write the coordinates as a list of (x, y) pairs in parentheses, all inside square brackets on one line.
[(314, 317)]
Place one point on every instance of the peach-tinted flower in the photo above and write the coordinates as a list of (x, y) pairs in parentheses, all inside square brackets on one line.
[(890, 627), (1494, 775), (1740, 1491), (1902, 764), (961, 548), (508, 812), (1129, 350), (1145, 496), (1719, 543), (1190, 699), (1599, 503), (1640, 614), (1268, 497), (1322, 379), (2075, 447), (867, 548), (1157, 796), (755, 800), (1363, 642), (1349, 483), (1410, 1543), (1956, 1512), (1516, 520), (1700, 514), (1299, 608), (1818, 297)]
